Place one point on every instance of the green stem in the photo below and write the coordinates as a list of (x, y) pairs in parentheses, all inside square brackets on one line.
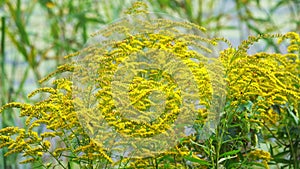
[(200, 13), (3, 74), (218, 147), (57, 160), (294, 155), (241, 19)]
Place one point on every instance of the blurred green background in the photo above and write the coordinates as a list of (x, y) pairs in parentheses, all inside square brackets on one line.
[(36, 34)]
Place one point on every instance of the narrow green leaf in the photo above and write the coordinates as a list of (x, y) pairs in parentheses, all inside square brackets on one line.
[(233, 152), (167, 158), (280, 155), (197, 160), (296, 119)]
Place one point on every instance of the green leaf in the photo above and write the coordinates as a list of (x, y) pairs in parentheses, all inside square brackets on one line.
[(226, 158), (296, 119), (279, 155), (233, 152), (188, 8), (278, 6), (249, 105), (167, 158), (181, 140), (206, 149), (197, 160), (284, 161)]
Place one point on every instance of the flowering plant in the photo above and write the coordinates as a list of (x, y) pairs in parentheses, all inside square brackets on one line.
[(84, 121)]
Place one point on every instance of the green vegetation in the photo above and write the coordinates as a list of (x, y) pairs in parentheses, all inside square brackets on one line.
[(259, 125)]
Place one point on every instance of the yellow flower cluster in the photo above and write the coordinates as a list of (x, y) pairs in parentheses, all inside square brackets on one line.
[(137, 8), (141, 53), (155, 80), (263, 80), (258, 82), (261, 155), (63, 120)]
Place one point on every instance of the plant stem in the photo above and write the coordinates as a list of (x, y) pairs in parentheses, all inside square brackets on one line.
[(294, 155), (3, 74)]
